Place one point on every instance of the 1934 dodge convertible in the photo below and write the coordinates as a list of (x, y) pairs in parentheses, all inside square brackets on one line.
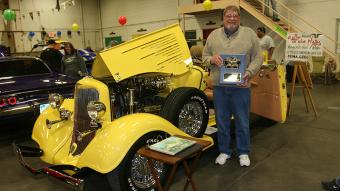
[(140, 92)]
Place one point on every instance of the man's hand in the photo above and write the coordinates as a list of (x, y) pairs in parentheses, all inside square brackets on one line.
[(216, 60), (245, 80)]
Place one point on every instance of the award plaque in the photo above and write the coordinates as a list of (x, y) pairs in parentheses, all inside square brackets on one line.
[(233, 68)]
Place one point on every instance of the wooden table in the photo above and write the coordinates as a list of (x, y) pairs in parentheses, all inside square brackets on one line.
[(181, 157)]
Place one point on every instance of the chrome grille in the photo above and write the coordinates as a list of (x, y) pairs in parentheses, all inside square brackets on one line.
[(81, 119)]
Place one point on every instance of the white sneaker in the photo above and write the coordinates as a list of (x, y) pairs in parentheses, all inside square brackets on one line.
[(244, 160), (222, 158)]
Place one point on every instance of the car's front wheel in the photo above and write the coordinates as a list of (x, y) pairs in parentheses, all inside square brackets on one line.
[(187, 108), (134, 173)]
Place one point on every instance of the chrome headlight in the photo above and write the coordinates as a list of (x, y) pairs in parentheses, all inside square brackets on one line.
[(96, 110), (55, 100), (64, 113)]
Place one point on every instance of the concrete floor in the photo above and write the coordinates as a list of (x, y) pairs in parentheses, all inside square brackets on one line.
[(294, 156)]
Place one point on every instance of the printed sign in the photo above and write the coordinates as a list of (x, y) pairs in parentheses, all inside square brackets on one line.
[(300, 46)]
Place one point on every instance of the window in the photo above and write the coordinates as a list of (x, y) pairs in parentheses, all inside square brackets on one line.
[(190, 36), (22, 67)]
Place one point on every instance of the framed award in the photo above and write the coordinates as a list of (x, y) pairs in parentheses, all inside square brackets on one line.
[(233, 68)]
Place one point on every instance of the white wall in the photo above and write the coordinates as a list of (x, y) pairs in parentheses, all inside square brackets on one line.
[(85, 13), (147, 14), (320, 13)]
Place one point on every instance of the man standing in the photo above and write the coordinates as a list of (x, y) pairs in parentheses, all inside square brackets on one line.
[(232, 100), (52, 56), (266, 9), (266, 42)]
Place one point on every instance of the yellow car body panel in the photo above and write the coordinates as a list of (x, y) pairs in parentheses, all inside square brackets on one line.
[(196, 77), (110, 144), (104, 94), (53, 139), (162, 51), (283, 92)]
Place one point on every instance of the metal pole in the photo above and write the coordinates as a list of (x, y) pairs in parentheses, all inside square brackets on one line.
[(82, 18), (101, 24)]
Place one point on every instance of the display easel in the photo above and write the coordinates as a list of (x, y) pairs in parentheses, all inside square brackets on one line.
[(300, 71)]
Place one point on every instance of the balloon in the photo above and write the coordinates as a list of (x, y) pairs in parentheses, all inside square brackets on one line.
[(51, 34), (9, 14), (31, 34), (75, 27), (122, 20), (207, 5), (58, 33)]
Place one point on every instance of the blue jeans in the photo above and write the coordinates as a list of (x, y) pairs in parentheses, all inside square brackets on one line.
[(234, 101), (266, 9)]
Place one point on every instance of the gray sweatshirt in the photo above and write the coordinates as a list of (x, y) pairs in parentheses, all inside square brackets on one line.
[(243, 41)]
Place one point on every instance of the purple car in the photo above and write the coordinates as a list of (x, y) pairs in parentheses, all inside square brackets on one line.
[(25, 83)]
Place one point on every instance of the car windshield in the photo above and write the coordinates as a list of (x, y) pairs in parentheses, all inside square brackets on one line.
[(22, 67)]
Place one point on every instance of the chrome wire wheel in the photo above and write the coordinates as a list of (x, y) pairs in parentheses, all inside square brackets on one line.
[(188, 109), (190, 118), (141, 174)]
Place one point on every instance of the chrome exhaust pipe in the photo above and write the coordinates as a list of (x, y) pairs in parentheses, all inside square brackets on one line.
[(50, 123)]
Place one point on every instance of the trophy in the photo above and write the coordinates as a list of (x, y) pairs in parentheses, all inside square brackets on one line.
[(233, 69)]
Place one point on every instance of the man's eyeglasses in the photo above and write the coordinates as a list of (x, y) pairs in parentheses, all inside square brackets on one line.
[(231, 16)]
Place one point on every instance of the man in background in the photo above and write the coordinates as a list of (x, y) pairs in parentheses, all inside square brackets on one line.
[(266, 42), (52, 56)]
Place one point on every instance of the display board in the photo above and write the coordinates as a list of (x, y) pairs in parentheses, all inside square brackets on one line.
[(300, 46), (108, 40)]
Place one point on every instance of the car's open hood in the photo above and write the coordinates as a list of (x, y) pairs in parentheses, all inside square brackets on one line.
[(163, 51)]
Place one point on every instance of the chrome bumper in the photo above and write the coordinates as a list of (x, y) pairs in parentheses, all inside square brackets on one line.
[(19, 110), (56, 171)]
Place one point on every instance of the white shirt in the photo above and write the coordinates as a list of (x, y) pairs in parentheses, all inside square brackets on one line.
[(266, 42)]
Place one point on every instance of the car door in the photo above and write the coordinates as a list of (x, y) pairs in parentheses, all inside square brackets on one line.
[(269, 93)]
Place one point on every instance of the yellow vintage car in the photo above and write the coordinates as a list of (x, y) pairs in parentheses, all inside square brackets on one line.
[(140, 92)]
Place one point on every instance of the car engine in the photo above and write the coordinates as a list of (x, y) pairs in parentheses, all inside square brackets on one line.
[(140, 94)]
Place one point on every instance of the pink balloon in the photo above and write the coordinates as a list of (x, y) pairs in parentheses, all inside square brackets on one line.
[(122, 20)]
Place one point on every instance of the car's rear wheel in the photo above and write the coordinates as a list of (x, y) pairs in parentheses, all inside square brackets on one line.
[(134, 173), (187, 108)]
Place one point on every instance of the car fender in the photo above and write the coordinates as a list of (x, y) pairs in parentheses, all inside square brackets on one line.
[(113, 140), (51, 140), (195, 77)]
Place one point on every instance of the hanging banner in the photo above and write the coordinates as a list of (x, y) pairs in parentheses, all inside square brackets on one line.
[(301, 46)]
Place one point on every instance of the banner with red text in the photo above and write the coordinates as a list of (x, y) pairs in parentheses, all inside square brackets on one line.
[(301, 46)]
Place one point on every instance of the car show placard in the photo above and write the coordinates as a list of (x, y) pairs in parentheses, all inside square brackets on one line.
[(233, 68), (301, 46)]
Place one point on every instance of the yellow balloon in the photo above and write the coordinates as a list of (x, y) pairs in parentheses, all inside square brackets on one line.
[(75, 27), (207, 5)]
